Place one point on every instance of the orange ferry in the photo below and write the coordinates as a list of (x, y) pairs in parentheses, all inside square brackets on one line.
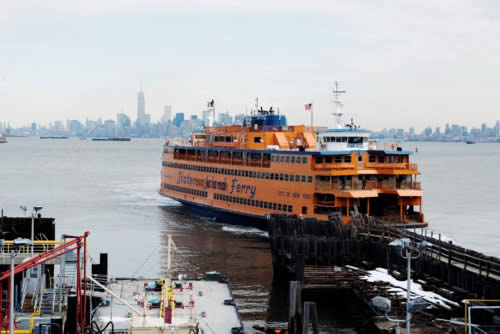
[(243, 172)]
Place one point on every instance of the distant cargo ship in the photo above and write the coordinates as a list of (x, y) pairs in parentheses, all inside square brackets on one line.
[(53, 137), (266, 166), (111, 139)]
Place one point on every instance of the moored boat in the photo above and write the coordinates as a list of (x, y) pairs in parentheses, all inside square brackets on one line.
[(267, 166)]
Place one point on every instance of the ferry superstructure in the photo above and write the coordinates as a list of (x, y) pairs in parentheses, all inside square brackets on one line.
[(266, 166)]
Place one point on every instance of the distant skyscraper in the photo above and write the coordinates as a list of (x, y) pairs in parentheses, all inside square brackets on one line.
[(225, 118), (141, 108), (167, 114), (497, 128), (178, 119), (122, 120)]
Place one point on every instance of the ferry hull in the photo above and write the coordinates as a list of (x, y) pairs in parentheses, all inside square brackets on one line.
[(221, 215)]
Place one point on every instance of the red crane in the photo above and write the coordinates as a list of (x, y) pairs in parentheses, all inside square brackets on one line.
[(76, 244)]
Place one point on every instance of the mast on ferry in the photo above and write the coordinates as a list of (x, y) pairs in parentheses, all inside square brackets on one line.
[(337, 115)]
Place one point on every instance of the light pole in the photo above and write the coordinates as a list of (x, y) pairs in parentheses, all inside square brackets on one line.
[(384, 304), (404, 245), (35, 211), (16, 245)]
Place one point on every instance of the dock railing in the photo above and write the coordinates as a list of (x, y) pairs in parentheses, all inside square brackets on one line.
[(441, 250)]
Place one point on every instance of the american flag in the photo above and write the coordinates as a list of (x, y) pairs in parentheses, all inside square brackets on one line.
[(309, 106)]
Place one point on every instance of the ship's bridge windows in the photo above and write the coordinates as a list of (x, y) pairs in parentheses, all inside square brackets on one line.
[(355, 140)]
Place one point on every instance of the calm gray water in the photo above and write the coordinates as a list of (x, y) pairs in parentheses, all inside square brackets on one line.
[(111, 189)]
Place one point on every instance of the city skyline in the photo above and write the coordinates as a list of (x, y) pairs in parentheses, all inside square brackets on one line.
[(400, 62)]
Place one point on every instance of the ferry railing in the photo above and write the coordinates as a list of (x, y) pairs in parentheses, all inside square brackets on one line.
[(39, 246), (342, 165), (391, 165)]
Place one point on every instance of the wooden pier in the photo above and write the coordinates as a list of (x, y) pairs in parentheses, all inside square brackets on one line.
[(328, 255)]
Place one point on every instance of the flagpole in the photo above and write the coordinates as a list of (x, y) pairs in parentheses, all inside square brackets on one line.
[(312, 111)]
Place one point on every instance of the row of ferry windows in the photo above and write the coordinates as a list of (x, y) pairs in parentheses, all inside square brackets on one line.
[(252, 156), (184, 190), (254, 202), (338, 159), (244, 173), (288, 159), (348, 159)]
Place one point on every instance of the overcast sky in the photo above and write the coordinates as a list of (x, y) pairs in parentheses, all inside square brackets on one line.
[(403, 63)]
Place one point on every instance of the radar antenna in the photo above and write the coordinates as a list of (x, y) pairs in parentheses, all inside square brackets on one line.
[(337, 115)]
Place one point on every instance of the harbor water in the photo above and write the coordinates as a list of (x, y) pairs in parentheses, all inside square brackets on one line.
[(111, 190)]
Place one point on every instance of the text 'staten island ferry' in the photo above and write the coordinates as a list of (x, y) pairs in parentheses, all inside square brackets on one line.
[(266, 166)]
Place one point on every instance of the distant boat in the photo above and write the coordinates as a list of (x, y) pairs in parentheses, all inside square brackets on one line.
[(112, 139), (471, 142), (53, 137), (2, 140)]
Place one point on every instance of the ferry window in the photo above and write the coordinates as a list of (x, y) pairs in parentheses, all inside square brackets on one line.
[(355, 140), (287, 159), (245, 201), (304, 160), (319, 160), (238, 173), (292, 178), (271, 176), (267, 176), (360, 157), (328, 160), (390, 158), (245, 173), (233, 172), (309, 179), (261, 204), (286, 177), (253, 202), (273, 158), (347, 158), (303, 178), (274, 206), (279, 207), (400, 158), (266, 157), (285, 207), (290, 208), (344, 139), (381, 158), (257, 140), (258, 175), (281, 177), (338, 139), (228, 139), (292, 159), (265, 205), (304, 210), (372, 158), (297, 178), (282, 159)]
